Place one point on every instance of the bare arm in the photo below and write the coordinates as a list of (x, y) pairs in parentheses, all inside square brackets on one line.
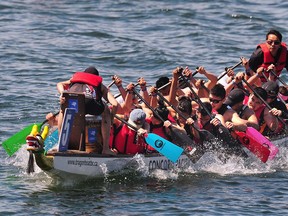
[(252, 120), (238, 123), (212, 79), (174, 85), (270, 119), (62, 85)]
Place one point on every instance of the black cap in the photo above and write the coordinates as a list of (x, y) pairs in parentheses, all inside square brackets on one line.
[(261, 92), (271, 88), (235, 96)]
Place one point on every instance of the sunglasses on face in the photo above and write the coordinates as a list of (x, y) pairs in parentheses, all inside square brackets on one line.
[(276, 42), (215, 101)]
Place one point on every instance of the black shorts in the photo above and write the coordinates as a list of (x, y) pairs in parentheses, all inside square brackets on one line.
[(94, 107)]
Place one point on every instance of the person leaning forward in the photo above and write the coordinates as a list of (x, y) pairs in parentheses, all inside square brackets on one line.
[(272, 54), (235, 100), (94, 92)]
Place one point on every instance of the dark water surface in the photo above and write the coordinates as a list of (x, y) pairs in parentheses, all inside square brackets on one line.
[(44, 42)]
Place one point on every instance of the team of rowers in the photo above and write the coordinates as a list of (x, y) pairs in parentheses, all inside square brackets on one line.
[(188, 105)]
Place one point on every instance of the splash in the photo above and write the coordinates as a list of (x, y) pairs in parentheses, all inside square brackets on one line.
[(137, 168)]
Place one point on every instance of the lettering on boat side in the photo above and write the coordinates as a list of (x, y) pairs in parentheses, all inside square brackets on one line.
[(166, 164), (82, 163), (159, 144)]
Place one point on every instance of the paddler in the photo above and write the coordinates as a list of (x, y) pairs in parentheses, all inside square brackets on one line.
[(232, 120), (268, 122), (235, 100), (270, 55)]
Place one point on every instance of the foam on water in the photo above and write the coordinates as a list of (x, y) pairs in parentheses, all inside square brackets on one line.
[(209, 163)]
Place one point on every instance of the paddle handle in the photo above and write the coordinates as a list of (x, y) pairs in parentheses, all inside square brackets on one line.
[(226, 70), (266, 104), (112, 83), (279, 78), (46, 120)]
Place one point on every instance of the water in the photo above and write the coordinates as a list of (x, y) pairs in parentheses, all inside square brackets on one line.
[(44, 42)]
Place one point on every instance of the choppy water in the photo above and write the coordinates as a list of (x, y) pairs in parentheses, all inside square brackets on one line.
[(44, 42)]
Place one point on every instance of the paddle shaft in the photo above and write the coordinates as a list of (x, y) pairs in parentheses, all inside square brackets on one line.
[(54, 114), (197, 97), (173, 107), (112, 83), (148, 105), (266, 104), (118, 95), (125, 122), (279, 78), (222, 130), (226, 70)]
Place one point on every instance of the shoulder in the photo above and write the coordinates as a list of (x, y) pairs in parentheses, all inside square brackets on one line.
[(279, 105), (258, 53), (248, 112)]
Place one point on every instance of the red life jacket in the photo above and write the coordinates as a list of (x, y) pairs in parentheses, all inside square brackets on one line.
[(260, 117), (125, 140), (156, 129), (87, 78), (269, 59), (86, 83)]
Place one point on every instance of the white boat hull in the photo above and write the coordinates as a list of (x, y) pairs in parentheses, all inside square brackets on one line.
[(97, 166)]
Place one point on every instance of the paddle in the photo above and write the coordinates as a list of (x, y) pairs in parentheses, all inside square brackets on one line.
[(163, 146), (226, 70), (280, 98), (14, 143), (182, 138), (266, 104), (230, 145), (279, 78), (204, 134)]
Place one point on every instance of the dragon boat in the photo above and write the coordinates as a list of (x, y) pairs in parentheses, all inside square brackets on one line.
[(78, 152)]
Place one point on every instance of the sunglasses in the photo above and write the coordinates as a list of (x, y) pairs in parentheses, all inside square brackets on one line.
[(215, 101), (276, 42)]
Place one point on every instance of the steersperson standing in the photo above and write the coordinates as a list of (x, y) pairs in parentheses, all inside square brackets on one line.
[(271, 55)]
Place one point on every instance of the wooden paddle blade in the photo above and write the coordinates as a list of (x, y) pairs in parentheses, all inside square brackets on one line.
[(255, 147), (14, 143), (165, 147)]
